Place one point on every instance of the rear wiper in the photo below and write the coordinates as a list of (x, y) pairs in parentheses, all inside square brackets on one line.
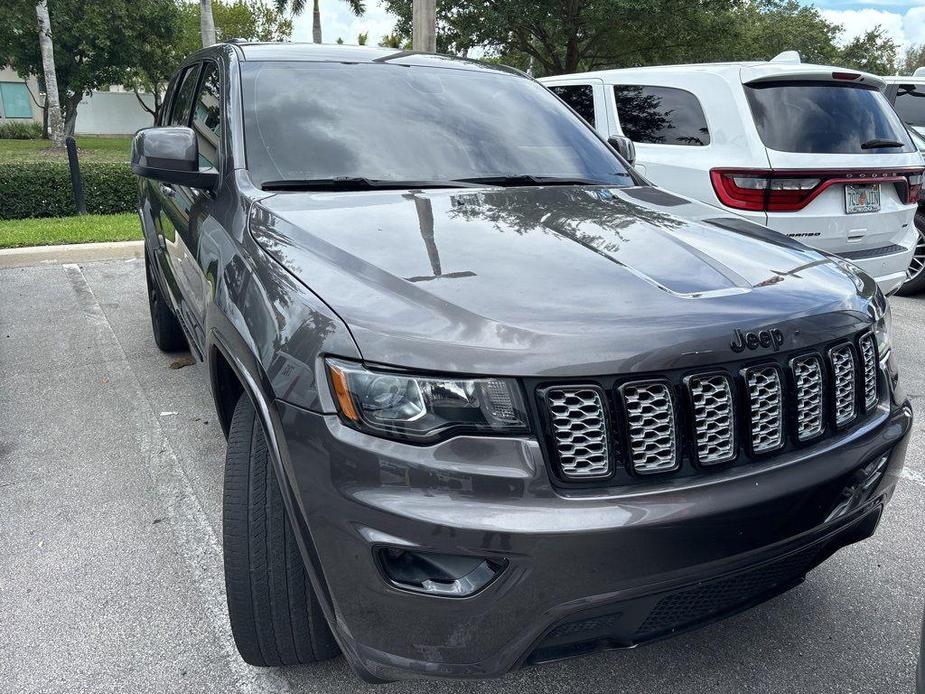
[(877, 143), (348, 183), (529, 180)]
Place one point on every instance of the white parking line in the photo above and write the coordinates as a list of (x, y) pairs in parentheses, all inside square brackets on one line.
[(198, 544)]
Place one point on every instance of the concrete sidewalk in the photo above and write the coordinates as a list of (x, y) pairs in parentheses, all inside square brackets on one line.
[(70, 253), (110, 534)]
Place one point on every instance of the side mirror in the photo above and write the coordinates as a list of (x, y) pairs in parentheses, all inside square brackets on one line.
[(624, 146), (170, 155)]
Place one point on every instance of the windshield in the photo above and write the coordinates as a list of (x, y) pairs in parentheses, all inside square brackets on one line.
[(310, 121), (826, 118)]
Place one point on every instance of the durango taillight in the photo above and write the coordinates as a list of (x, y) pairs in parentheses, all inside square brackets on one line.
[(762, 190)]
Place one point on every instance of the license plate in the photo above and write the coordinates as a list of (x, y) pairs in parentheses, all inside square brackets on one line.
[(862, 198)]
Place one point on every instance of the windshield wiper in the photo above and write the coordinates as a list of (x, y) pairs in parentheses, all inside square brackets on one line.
[(350, 183), (877, 143), (529, 180)]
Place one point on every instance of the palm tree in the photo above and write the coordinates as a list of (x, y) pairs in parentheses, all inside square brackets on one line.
[(53, 104), (358, 7), (206, 23)]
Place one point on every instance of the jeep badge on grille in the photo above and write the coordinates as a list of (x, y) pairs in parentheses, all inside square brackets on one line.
[(753, 340)]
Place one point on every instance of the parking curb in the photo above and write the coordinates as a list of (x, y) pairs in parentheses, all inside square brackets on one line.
[(70, 253)]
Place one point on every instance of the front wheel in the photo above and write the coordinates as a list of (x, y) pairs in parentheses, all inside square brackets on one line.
[(915, 282), (168, 334), (275, 616)]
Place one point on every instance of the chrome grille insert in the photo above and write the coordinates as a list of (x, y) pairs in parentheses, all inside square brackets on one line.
[(714, 420), (579, 427), (807, 379), (869, 368), (651, 426), (843, 374), (765, 413)]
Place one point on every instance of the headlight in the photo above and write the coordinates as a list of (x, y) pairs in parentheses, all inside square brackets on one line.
[(424, 408)]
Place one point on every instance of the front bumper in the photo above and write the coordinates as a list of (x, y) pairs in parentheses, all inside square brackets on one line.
[(583, 570)]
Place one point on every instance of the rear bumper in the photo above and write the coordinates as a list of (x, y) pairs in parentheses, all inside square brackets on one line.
[(582, 572), (888, 270)]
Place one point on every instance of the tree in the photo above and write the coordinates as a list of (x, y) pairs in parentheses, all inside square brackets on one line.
[(358, 7), (913, 58), (88, 53), (206, 23), (873, 51), (549, 37), (55, 125), (157, 61)]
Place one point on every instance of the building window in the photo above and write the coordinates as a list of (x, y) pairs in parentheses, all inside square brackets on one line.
[(661, 116), (580, 97), (14, 100)]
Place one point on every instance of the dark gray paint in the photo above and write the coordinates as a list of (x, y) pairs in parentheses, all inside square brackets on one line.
[(539, 282)]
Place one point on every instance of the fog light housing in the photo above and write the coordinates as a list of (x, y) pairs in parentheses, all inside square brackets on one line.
[(445, 575)]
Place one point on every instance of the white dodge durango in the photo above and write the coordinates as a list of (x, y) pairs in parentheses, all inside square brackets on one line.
[(814, 152)]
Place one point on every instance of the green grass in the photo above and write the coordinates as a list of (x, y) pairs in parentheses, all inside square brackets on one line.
[(90, 148), (53, 230)]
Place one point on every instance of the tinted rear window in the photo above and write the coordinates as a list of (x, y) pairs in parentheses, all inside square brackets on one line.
[(824, 118), (661, 116), (910, 103), (580, 97)]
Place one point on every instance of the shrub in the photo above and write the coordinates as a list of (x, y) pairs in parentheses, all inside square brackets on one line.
[(43, 189), (20, 130)]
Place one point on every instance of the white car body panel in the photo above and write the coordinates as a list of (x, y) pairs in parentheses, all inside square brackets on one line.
[(868, 239)]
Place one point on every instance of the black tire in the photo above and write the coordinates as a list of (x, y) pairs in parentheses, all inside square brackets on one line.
[(168, 335), (915, 284), (275, 616)]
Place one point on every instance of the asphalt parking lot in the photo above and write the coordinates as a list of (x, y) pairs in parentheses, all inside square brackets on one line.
[(110, 533)]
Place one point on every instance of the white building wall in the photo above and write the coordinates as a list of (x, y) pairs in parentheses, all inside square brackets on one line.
[(8, 74), (112, 113)]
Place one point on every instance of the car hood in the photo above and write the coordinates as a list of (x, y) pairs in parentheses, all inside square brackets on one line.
[(558, 280)]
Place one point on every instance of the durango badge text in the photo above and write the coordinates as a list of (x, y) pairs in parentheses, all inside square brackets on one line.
[(753, 340), (437, 467)]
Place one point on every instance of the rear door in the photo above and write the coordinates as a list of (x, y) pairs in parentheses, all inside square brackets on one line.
[(846, 149)]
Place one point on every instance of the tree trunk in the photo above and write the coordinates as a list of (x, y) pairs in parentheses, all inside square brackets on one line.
[(316, 22), (206, 23), (55, 127), (70, 113), (424, 26)]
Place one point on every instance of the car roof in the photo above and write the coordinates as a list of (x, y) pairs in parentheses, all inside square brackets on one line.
[(746, 71), (336, 53)]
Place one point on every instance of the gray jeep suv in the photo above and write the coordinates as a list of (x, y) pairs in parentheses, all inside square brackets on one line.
[(491, 398)]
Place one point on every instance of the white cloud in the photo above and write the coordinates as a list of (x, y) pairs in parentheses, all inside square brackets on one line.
[(337, 21), (906, 28)]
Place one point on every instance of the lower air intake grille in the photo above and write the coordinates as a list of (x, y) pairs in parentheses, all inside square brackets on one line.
[(869, 367), (807, 378), (579, 428), (714, 422), (766, 417), (843, 374), (651, 425)]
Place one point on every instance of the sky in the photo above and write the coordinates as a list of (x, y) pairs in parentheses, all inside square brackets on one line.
[(903, 20)]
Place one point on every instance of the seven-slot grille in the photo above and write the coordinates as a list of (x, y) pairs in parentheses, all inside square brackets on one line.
[(651, 426), (869, 367), (714, 419), (579, 423), (766, 416), (808, 382), (648, 416), (843, 375)]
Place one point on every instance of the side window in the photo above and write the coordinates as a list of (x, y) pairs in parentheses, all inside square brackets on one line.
[(160, 118), (661, 116), (910, 103), (580, 97), (207, 117), (183, 100)]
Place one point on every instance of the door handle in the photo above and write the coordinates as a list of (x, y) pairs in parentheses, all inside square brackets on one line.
[(167, 190)]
